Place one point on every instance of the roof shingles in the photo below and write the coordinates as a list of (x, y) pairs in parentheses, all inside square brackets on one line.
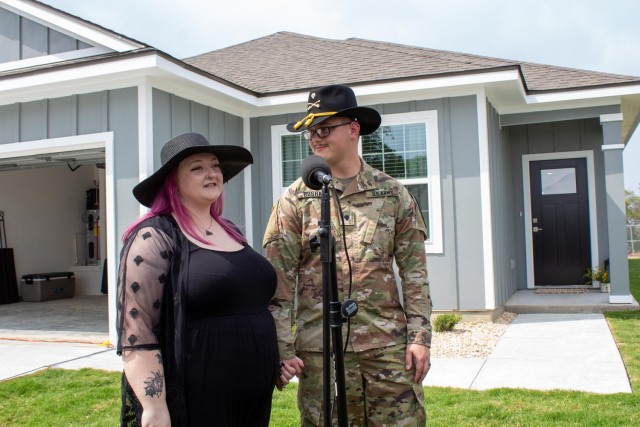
[(285, 62)]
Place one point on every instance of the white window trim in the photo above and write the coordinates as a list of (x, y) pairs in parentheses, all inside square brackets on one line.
[(434, 245), (276, 159)]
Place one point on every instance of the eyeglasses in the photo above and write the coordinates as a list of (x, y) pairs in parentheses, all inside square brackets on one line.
[(322, 132)]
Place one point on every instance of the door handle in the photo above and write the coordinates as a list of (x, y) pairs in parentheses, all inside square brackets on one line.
[(536, 229)]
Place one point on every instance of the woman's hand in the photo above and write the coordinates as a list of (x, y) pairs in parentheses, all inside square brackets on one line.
[(156, 416), (288, 369)]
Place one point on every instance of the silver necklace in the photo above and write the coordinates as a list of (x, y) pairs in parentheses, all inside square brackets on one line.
[(207, 231)]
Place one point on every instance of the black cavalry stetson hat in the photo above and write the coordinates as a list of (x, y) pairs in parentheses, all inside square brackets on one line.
[(232, 160), (336, 100)]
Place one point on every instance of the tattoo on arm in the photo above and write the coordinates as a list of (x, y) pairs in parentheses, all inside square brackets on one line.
[(159, 357), (153, 385)]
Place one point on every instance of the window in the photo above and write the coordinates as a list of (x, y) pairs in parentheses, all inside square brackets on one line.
[(401, 151), (405, 147), (288, 150), (294, 149), (558, 181)]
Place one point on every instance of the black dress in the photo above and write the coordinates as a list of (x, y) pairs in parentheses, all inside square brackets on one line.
[(231, 352), (206, 312)]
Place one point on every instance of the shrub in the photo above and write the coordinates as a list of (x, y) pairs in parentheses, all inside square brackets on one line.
[(446, 322)]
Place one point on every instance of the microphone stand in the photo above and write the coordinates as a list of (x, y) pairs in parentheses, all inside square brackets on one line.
[(331, 317)]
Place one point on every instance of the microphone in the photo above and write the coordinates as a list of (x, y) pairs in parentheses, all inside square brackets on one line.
[(315, 172)]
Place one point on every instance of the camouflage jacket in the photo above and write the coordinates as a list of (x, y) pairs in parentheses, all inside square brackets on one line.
[(382, 223)]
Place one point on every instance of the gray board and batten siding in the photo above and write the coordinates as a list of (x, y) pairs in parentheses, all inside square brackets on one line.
[(551, 132), (22, 38), (112, 110), (173, 116), (456, 275)]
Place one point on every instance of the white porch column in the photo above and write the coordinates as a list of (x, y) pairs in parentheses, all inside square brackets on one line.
[(616, 218)]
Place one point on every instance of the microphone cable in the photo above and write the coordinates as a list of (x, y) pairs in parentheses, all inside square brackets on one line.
[(346, 252)]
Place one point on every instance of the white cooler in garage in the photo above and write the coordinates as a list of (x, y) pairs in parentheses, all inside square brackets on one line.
[(47, 286)]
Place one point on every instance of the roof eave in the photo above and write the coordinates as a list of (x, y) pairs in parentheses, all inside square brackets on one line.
[(400, 80), (116, 56)]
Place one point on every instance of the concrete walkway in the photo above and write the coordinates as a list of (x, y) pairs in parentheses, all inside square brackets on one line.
[(543, 352), (25, 357), (538, 351)]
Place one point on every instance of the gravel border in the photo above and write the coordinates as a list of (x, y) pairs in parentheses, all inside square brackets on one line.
[(470, 340)]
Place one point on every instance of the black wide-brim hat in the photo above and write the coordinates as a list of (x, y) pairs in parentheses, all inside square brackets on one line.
[(232, 160), (336, 100)]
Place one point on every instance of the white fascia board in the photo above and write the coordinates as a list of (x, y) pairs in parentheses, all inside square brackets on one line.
[(564, 105), (52, 59), (577, 95), (61, 76), (43, 146), (69, 26), (283, 100), (437, 83), (209, 83), (398, 91)]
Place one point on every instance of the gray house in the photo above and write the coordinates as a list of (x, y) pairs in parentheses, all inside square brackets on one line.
[(517, 166)]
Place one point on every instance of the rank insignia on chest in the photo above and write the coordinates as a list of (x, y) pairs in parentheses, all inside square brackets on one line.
[(349, 217), (380, 193), (309, 194)]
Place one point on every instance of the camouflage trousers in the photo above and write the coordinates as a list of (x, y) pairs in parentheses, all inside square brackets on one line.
[(379, 390)]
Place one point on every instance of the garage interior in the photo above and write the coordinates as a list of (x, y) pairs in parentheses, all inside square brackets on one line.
[(55, 221)]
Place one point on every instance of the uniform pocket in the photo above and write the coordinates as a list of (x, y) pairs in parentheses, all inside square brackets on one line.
[(420, 413), (372, 220), (310, 407)]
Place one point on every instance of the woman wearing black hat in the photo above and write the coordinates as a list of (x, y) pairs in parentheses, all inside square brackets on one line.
[(198, 343)]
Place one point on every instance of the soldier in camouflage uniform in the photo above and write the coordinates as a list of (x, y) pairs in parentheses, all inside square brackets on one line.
[(388, 345)]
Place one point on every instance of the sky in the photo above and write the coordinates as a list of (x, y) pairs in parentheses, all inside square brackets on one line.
[(599, 35)]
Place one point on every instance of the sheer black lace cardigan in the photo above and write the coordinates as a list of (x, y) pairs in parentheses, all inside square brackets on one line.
[(151, 307)]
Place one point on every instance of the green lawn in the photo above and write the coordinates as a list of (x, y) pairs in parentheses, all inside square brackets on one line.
[(90, 397)]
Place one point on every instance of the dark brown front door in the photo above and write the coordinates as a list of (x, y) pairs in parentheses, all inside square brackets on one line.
[(560, 221)]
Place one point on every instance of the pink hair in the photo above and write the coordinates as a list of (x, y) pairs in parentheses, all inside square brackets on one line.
[(167, 202)]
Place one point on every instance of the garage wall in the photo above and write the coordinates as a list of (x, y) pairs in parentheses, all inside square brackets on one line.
[(43, 210)]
